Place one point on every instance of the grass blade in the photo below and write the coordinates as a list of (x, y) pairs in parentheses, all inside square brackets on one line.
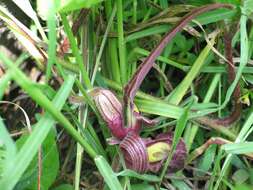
[(108, 174), (243, 61), (44, 102), (238, 148), (181, 123), (51, 24), (178, 94), (145, 177), (30, 148)]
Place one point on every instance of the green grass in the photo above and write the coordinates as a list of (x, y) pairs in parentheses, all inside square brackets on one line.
[(111, 42)]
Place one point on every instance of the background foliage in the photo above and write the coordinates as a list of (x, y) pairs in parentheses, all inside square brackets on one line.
[(53, 53)]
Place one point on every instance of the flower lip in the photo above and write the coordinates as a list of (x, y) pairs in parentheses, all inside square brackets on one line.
[(158, 151), (178, 159), (134, 148), (134, 151)]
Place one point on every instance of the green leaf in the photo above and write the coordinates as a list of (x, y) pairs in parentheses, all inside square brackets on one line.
[(240, 176), (44, 102), (25, 36), (141, 186), (181, 123), (64, 187), (248, 7), (247, 127), (216, 15), (75, 50), (30, 148), (242, 187), (145, 177), (144, 186), (4, 80), (179, 92), (70, 5), (7, 149), (158, 108), (180, 185), (106, 171), (238, 148), (147, 32), (207, 160), (26, 7), (244, 56), (50, 164), (51, 25), (235, 2), (249, 78), (180, 41), (238, 163)]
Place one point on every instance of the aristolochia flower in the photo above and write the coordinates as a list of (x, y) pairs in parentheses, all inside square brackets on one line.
[(145, 154), (110, 108), (140, 154)]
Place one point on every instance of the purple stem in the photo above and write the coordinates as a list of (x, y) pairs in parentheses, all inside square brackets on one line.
[(235, 114), (135, 82)]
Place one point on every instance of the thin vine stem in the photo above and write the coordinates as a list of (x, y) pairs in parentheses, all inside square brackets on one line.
[(135, 82)]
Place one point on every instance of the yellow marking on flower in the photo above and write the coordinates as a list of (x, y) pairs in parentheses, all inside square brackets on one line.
[(136, 109), (158, 151), (245, 99)]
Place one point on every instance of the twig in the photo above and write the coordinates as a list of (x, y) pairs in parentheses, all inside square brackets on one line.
[(213, 140)]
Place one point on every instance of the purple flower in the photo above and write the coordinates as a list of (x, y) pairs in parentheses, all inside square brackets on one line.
[(135, 153), (139, 156), (110, 108), (178, 158)]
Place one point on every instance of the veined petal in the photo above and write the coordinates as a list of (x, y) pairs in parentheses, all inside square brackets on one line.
[(110, 108), (134, 152)]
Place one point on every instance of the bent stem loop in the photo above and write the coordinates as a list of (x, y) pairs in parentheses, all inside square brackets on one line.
[(135, 82), (133, 85), (236, 112)]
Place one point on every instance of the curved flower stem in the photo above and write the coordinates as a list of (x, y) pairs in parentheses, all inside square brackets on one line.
[(133, 85), (135, 82), (235, 114)]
